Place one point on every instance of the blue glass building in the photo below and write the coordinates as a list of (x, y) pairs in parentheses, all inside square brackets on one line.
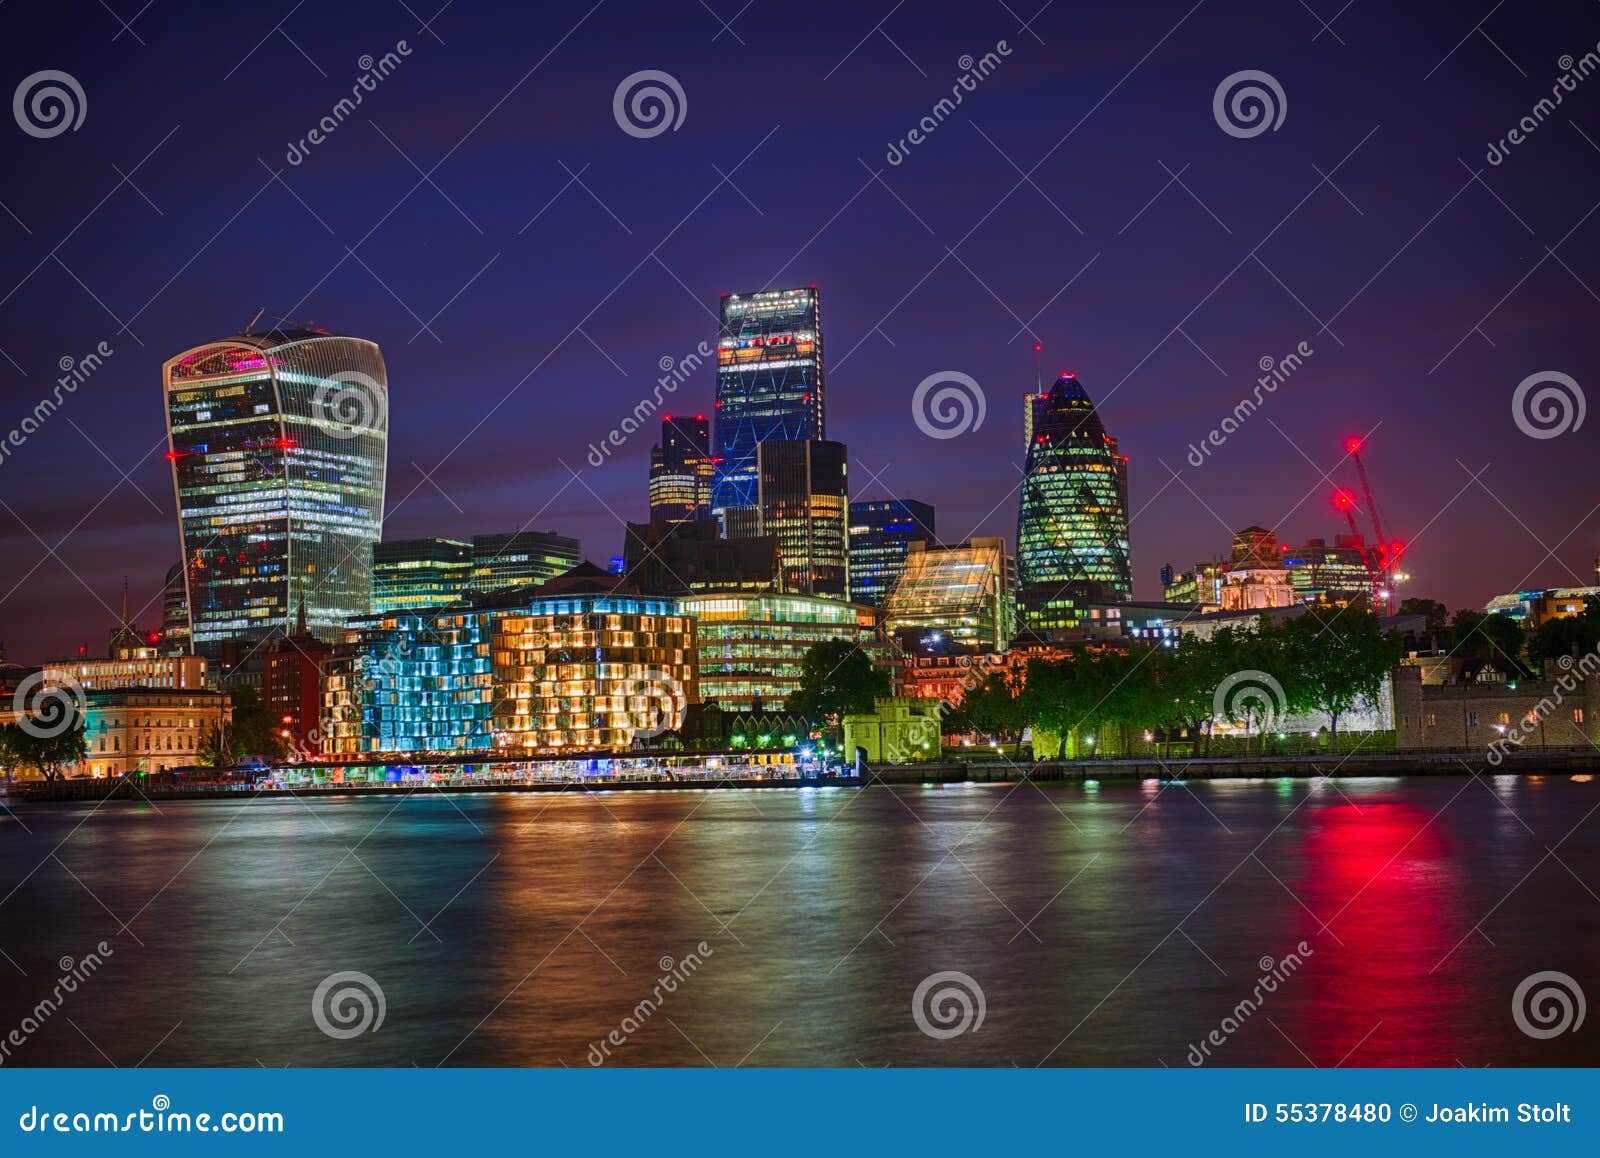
[(880, 532), (769, 385)]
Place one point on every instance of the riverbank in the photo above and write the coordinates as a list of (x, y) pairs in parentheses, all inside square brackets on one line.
[(1465, 762), (59, 791)]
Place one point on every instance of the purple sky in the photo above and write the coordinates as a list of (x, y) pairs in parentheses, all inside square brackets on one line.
[(1426, 295)]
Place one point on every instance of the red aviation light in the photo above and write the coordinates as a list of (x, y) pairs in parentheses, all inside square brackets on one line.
[(666, 418), (1352, 446), (699, 417), (284, 443), (1343, 501)]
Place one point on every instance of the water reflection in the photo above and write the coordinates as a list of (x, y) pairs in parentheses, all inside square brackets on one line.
[(1104, 923)]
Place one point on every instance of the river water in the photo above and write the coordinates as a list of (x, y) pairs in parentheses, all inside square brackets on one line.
[(1358, 922)]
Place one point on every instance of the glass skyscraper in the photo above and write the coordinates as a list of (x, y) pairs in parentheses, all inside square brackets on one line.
[(1072, 521), (879, 534), (278, 441), (769, 385), (682, 469), (804, 502)]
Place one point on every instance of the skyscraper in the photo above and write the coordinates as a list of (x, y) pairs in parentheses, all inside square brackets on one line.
[(769, 384), (879, 534), (408, 574), (804, 503), (681, 469), (279, 442), (1072, 520)]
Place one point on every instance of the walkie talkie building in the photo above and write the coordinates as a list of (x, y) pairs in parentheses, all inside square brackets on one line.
[(278, 441), (769, 386)]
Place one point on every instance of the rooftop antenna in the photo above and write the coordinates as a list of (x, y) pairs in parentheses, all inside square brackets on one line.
[(248, 326), (124, 600), (1038, 372)]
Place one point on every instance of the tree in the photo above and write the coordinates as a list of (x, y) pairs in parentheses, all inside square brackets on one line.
[(1567, 634), (995, 708), (252, 733), (836, 679), (1336, 658), (47, 750), (1436, 614), (1486, 639)]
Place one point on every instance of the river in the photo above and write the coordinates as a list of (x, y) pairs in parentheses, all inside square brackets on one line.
[(1369, 922)]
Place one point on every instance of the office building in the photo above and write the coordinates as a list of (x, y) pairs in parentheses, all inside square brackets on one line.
[(278, 441), (412, 573), (964, 594), (1333, 575), (683, 557), (1072, 519), (752, 648), (175, 613), (769, 386), (581, 664), (521, 559), (880, 532), (804, 501), (682, 469)]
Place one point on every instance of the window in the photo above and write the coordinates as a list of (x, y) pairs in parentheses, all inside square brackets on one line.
[(1505, 718), (1472, 719), (1577, 716), (1432, 720)]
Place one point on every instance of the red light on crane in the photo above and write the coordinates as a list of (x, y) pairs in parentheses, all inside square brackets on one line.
[(1352, 445)]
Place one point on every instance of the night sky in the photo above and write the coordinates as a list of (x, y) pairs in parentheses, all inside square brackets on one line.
[(1083, 196)]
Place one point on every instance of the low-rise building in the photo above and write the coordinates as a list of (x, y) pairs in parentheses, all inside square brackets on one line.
[(898, 729), (1559, 711), (752, 648)]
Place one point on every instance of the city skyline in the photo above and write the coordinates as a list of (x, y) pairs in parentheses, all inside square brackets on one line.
[(1388, 270)]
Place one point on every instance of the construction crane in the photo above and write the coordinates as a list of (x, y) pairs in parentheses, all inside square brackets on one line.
[(1388, 553), (1346, 502)]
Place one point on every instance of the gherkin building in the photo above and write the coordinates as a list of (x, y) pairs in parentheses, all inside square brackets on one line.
[(1072, 521)]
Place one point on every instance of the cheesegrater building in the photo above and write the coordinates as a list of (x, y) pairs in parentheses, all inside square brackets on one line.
[(278, 441), (1072, 520), (769, 388)]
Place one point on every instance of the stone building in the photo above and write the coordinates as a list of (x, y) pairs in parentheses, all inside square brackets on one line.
[(1560, 711), (897, 730)]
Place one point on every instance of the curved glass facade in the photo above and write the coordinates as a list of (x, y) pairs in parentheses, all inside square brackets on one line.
[(1072, 521), (279, 444)]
